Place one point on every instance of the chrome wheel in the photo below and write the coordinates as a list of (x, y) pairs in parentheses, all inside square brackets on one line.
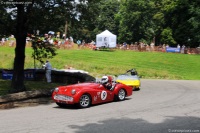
[(121, 94), (85, 101)]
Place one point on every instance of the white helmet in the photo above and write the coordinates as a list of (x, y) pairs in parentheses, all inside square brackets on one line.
[(104, 79)]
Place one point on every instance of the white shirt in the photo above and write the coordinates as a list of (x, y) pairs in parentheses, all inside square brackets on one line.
[(48, 66)]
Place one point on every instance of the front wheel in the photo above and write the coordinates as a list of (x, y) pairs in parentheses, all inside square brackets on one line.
[(84, 101), (121, 95)]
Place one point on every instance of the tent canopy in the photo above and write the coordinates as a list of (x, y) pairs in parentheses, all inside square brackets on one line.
[(106, 39)]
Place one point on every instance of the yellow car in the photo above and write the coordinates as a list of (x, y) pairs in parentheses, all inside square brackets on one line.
[(130, 78)]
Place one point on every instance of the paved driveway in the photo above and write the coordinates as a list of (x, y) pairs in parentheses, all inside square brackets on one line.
[(161, 106)]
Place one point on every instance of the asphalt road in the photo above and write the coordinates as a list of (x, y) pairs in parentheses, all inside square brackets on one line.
[(161, 106)]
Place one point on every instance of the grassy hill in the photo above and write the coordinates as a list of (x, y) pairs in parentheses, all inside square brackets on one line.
[(154, 65)]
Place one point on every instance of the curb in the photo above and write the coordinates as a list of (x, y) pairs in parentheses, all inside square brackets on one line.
[(23, 99)]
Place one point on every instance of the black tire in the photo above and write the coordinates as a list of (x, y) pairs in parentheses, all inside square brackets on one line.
[(136, 89), (121, 95), (62, 105), (85, 101)]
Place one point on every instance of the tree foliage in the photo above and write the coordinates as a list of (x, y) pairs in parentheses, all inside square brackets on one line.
[(166, 37), (136, 21), (130, 20), (106, 17), (6, 23), (42, 49)]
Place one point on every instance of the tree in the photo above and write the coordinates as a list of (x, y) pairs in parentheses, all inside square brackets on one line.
[(194, 20), (136, 21), (21, 32), (176, 15), (106, 17), (86, 26), (25, 15), (130, 20), (42, 49), (183, 16), (97, 16), (166, 37)]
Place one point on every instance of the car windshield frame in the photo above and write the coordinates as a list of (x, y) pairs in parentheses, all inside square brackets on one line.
[(127, 77)]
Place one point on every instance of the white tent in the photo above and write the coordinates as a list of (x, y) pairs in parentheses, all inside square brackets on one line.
[(106, 39)]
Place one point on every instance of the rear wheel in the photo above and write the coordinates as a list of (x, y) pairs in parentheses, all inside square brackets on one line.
[(121, 95), (84, 101)]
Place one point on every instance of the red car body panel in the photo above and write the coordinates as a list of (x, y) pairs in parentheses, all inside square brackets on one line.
[(97, 92)]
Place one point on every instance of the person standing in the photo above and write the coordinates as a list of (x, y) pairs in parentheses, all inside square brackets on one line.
[(48, 68), (83, 43), (78, 43)]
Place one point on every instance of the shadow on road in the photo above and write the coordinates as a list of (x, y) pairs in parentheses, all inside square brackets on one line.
[(126, 125)]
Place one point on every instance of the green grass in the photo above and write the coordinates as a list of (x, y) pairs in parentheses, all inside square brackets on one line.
[(155, 65)]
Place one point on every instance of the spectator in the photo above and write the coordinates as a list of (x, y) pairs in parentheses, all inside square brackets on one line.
[(124, 45), (152, 46), (163, 48), (50, 40), (3, 41), (48, 68), (78, 43), (83, 43), (183, 49), (71, 41), (63, 36)]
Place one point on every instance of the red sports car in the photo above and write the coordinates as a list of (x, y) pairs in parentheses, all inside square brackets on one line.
[(85, 94)]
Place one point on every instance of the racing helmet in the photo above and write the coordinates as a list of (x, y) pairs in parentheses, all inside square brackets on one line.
[(104, 79), (133, 72)]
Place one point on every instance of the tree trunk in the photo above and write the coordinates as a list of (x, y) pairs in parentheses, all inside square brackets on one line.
[(21, 32), (65, 31)]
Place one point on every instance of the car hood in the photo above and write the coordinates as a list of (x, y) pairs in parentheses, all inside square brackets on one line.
[(129, 82)]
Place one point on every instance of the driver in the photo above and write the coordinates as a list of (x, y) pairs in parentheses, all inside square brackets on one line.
[(133, 72), (107, 82)]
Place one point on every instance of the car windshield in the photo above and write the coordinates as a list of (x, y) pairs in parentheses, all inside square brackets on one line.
[(127, 77)]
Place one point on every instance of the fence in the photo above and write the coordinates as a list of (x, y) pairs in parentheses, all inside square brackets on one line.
[(29, 74), (134, 47), (158, 49)]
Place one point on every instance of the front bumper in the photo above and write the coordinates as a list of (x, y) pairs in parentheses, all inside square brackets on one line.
[(63, 99)]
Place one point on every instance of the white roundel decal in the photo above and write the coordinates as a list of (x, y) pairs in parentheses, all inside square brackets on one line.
[(103, 95)]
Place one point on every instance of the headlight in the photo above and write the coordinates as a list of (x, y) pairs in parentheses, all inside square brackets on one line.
[(73, 91), (56, 89)]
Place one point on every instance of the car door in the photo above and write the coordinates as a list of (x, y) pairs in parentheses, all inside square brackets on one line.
[(103, 95)]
